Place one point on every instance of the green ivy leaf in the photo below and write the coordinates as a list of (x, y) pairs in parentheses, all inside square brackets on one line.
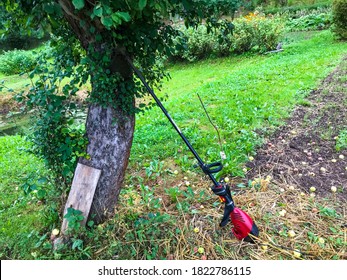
[(116, 18), (142, 4), (79, 4), (107, 10), (97, 11), (91, 30), (107, 22), (187, 4), (41, 194), (122, 15), (49, 8)]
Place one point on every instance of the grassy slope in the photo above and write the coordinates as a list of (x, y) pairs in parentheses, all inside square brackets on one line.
[(242, 94)]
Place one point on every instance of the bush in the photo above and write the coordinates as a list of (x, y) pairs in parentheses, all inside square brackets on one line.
[(16, 62), (339, 11), (296, 9), (199, 43), (18, 41), (305, 12), (309, 22), (253, 32), (257, 33)]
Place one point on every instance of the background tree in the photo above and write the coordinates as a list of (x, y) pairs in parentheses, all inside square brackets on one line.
[(225, 7), (92, 37), (339, 10)]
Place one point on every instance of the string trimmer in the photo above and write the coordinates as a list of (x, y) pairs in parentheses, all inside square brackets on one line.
[(243, 225)]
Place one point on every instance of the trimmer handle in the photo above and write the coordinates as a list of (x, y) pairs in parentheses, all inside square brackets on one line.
[(213, 167)]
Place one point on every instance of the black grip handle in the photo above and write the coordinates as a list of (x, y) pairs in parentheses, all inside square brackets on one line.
[(213, 167)]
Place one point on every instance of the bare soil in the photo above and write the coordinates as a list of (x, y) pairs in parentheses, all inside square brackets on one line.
[(302, 153)]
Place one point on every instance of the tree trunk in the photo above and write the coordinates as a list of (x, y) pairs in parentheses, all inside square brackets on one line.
[(110, 135), (109, 131)]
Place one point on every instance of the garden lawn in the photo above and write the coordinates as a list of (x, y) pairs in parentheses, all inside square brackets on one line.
[(15, 82), (245, 96), (20, 215)]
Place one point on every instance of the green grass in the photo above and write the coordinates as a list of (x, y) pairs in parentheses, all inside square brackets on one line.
[(19, 214), (341, 141), (15, 82), (247, 97), (244, 95)]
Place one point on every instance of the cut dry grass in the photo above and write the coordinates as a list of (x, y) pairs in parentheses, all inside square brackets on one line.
[(314, 220), (318, 223)]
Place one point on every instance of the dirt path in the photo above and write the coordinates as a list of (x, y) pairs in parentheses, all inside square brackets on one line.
[(303, 152)]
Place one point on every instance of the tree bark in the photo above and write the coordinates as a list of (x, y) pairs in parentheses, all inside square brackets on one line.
[(110, 135)]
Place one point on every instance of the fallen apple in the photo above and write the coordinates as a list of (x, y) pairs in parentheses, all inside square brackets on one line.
[(201, 250)]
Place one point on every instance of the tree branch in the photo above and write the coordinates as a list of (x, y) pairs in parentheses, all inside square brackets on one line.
[(64, 5)]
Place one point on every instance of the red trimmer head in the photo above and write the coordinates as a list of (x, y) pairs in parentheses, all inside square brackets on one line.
[(244, 227)]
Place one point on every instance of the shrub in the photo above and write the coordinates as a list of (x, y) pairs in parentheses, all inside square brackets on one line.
[(199, 43), (297, 8), (253, 32), (339, 11), (15, 40), (16, 62), (305, 12), (309, 22), (257, 33)]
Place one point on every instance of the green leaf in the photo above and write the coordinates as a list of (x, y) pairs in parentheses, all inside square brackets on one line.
[(97, 11), (333, 229), (41, 194), (142, 4), (47, 246), (42, 180), (77, 244), (124, 16), (186, 4), (116, 19), (49, 8), (79, 218), (107, 22), (65, 130), (107, 10), (79, 4)]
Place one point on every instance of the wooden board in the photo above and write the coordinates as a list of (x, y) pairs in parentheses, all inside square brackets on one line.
[(82, 192)]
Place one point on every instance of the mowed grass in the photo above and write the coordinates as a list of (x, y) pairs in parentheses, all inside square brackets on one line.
[(19, 214), (14, 82), (246, 97)]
